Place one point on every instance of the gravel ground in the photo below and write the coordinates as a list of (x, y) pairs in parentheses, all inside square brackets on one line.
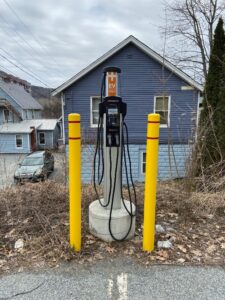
[(120, 279)]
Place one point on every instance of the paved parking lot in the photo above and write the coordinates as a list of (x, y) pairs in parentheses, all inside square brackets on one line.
[(9, 163), (120, 278)]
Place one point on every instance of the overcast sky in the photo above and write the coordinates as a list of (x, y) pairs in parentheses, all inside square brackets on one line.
[(53, 40)]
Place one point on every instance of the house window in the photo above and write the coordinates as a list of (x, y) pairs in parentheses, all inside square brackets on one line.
[(7, 116), (162, 107), (41, 138), (143, 162), (19, 141), (95, 100)]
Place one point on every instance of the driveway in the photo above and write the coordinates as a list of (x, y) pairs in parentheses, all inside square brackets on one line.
[(120, 279), (9, 163)]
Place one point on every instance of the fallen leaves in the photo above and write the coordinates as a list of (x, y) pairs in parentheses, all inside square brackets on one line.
[(182, 248), (40, 218), (223, 245), (211, 249), (110, 249), (196, 252)]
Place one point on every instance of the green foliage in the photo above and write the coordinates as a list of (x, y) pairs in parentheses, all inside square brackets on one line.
[(212, 119)]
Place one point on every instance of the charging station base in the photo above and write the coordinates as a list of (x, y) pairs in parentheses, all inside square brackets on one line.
[(120, 222)]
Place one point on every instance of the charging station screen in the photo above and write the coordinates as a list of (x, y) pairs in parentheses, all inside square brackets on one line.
[(113, 111), (113, 116)]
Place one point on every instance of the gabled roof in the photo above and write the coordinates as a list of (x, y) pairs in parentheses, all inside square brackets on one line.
[(141, 46), (25, 126), (19, 95)]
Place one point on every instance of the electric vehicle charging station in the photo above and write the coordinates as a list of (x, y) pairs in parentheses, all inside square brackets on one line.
[(112, 217)]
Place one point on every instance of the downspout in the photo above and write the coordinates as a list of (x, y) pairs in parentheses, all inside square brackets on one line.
[(63, 125), (198, 114)]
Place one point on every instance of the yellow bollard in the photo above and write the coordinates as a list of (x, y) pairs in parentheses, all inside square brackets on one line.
[(75, 181), (151, 181)]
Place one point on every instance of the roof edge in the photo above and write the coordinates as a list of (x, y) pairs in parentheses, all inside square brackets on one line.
[(141, 46), (41, 107)]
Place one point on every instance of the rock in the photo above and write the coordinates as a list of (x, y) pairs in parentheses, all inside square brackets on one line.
[(170, 229), (159, 229), (19, 244), (164, 244)]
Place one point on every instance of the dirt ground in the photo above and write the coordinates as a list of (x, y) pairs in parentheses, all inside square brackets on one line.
[(34, 218)]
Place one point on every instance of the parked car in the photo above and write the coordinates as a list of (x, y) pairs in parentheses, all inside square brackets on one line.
[(35, 167)]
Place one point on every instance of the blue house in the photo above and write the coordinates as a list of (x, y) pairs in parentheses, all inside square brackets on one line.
[(22, 130), (149, 83)]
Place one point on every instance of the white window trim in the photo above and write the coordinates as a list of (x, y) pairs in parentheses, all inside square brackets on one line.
[(141, 160), (16, 143), (39, 138), (91, 115), (169, 107)]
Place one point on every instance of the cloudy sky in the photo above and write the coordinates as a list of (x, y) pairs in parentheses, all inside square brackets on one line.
[(53, 40)]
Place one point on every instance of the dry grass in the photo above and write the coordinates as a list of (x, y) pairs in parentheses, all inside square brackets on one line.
[(174, 197), (38, 214)]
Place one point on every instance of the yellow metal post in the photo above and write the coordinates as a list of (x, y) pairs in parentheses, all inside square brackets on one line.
[(151, 181), (75, 181)]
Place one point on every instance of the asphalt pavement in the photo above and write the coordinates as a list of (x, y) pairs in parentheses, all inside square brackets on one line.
[(119, 279)]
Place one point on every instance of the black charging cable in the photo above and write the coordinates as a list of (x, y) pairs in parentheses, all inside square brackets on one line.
[(99, 151), (130, 212), (99, 156)]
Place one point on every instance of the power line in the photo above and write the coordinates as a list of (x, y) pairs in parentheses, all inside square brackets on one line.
[(7, 53), (28, 29), (6, 69), (21, 21), (36, 57), (28, 73)]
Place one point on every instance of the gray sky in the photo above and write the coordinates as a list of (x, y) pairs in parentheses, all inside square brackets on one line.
[(53, 40)]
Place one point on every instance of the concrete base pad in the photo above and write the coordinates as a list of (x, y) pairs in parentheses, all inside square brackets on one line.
[(120, 222)]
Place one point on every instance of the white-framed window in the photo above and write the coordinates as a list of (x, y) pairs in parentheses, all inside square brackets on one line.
[(94, 112), (162, 107), (19, 141), (8, 117), (143, 162), (41, 138)]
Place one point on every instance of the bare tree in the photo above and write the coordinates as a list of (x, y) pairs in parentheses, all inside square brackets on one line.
[(189, 26)]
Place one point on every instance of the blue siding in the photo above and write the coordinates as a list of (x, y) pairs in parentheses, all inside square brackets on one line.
[(1, 116), (56, 135), (29, 114), (48, 139), (25, 114), (171, 163), (142, 78), (15, 118), (37, 114), (8, 143), (5, 96)]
